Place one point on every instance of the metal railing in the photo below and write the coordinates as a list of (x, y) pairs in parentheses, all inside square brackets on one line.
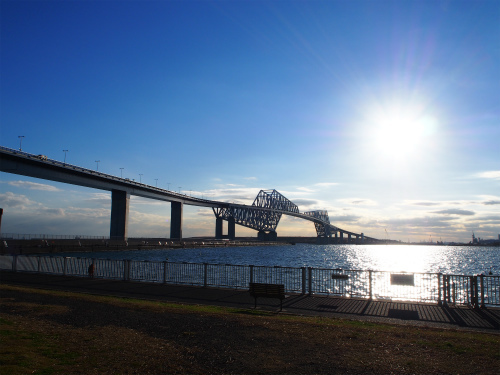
[(21, 236), (474, 290)]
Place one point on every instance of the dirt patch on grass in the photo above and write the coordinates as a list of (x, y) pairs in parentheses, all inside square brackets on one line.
[(65, 333)]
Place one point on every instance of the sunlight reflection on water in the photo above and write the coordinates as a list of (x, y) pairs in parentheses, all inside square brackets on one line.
[(395, 258)]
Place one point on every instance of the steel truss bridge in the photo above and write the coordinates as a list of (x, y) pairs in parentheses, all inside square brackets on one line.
[(263, 215)]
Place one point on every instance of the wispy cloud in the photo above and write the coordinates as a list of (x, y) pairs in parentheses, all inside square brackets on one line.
[(306, 204), (305, 189), (32, 185), (495, 175), (326, 184), (491, 203), (358, 201), (455, 212), (425, 204)]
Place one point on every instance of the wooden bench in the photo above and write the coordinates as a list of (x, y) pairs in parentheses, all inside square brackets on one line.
[(269, 291)]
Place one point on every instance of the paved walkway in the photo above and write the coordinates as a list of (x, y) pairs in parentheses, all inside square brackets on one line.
[(423, 314)]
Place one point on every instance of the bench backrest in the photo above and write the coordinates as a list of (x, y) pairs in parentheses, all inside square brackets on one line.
[(271, 290)]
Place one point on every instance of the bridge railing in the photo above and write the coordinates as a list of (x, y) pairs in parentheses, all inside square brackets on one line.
[(474, 290), (45, 159)]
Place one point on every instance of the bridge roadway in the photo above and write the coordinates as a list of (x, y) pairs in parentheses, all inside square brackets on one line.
[(39, 166)]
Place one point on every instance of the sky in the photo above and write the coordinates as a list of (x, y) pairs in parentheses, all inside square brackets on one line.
[(384, 113)]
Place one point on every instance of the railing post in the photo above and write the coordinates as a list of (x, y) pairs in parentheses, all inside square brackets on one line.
[(446, 289), (475, 300), (125, 269), (440, 302), (251, 273), (454, 293), (370, 279), (165, 265), (14, 263), (471, 291), (65, 265), (39, 264), (310, 280), (205, 274), (304, 280), (481, 283)]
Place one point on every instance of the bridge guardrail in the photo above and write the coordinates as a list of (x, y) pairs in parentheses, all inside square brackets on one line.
[(474, 290)]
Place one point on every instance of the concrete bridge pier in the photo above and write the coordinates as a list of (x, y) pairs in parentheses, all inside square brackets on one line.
[(119, 215), (231, 228), (176, 209), (267, 236), (218, 228)]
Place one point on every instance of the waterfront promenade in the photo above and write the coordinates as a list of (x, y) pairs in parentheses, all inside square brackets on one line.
[(424, 314)]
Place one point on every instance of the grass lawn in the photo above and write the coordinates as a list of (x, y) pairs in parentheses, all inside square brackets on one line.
[(50, 332)]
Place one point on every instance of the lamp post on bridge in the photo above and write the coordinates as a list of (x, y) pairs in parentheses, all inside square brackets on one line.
[(180, 187), (97, 165), (140, 178), (168, 185), (156, 182), (121, 172), (65, 151), (20, 142)]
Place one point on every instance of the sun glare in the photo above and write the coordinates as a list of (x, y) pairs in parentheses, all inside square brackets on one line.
[(398, 130)]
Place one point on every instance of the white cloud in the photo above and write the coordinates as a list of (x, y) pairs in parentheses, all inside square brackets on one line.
[(306, 190), (33, 185), (15, 200), (326, 184), (495, 175)]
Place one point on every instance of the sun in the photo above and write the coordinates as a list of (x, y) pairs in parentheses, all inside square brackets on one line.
[(399, 130)]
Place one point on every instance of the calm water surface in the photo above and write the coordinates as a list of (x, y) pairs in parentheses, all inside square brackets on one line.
[(463, 260)]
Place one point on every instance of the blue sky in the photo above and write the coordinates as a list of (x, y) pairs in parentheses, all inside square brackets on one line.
[(384, 113)]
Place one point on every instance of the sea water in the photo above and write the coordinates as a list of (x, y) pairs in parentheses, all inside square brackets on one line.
[(459, 260)]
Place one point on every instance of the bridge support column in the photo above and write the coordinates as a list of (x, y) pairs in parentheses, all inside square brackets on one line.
[(119, 215), (341, 240), (176, 220), (263, 236), (231, 228), (218, 228), (349, 238)]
